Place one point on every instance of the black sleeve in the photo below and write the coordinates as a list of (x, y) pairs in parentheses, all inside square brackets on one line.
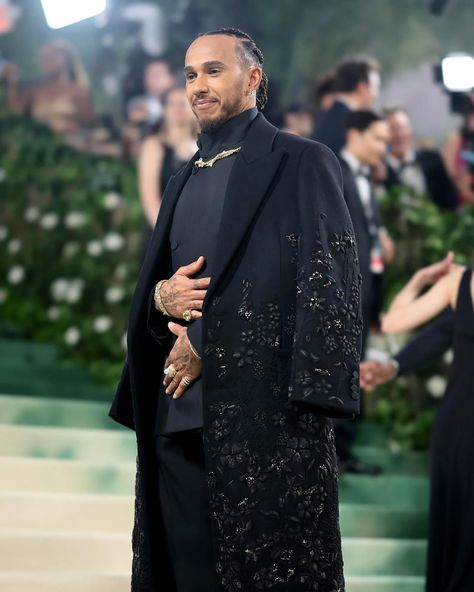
[(428, 345), (327, 342)]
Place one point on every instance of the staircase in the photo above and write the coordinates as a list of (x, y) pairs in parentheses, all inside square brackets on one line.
[(67, 474)]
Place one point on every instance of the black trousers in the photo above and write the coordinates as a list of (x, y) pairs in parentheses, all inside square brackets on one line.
[(185, 509)]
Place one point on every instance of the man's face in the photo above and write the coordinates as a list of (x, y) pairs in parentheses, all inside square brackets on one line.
[(372, 143), (217, 83), (400, 133)]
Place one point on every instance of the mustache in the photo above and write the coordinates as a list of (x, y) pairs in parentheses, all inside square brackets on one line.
[(200, 97)]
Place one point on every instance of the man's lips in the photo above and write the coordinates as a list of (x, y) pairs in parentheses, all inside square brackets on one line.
[(204, 103)]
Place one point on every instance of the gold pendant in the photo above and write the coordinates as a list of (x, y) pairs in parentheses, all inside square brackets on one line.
[(209, 163)]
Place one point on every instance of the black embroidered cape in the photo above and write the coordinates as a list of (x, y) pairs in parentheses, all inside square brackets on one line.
[(281, 343)]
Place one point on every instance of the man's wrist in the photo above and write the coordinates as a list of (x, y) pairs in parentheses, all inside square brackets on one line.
[(157, 298), (193, 349)]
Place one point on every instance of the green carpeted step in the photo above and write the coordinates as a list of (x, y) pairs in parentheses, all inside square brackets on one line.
[(33, 510), (385, 584), (51, 551), (385, 490), (72, 443), (19, 581), (67, 476), (16, 409), (406, 462), (383, 557), (359, 520)]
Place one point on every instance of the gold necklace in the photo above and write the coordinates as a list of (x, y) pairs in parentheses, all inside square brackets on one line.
[(208, 163)]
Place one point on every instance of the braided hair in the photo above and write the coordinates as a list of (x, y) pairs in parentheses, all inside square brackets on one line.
[(250, 55)]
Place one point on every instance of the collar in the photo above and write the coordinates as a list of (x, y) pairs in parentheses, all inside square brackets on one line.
[(227, 136), (355, 164), (397, 163)]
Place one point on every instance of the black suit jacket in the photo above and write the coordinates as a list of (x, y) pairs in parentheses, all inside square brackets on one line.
[(439, 186), (330, 126), (429, 344), (281, 332), (363, 237)]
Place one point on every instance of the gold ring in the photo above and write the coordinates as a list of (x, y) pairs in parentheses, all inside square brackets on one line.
[(170, 371), (187, 315)]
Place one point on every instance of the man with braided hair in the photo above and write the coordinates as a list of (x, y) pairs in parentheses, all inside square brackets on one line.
[(243, 341)]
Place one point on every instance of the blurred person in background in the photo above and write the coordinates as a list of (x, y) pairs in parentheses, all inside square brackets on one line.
[(357, 86), (165, 152), (148, 110), (459, 157), (324, 91), (422, 169), (60, 98), (298, 120), (365, 147), (450, 565)]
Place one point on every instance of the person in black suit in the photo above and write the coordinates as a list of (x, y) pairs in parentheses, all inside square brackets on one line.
[(421, 169), (237, 481), (431, 343), (367, 136), (357, 84)]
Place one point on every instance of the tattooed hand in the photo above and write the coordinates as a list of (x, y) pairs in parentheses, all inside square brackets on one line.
[(185, 362), (181, 293)]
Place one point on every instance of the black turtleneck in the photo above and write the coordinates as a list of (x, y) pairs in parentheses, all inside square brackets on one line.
[(194, 232)]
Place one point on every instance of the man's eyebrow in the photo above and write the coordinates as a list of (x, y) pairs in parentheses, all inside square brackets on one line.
[(207, 65)]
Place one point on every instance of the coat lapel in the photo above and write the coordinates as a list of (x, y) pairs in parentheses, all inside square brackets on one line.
[(252, 174)]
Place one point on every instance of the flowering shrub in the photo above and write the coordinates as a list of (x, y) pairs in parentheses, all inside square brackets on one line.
[(70, 246), (423, 234)]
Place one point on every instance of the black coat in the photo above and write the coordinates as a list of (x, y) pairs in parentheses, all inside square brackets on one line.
[(437, 180), (281, 341)]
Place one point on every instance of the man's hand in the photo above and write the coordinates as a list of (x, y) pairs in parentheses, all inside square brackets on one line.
[(388, 246), (374, 373), (185, 362), (181, 293)]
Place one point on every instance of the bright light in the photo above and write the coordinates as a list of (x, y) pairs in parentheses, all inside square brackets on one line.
[(61, 13), (458, 72)]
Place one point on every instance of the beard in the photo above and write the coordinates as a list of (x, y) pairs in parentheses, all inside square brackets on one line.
[(227, 111)]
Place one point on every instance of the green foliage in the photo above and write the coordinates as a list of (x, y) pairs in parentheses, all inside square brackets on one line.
[(423, 234), (70, 238)]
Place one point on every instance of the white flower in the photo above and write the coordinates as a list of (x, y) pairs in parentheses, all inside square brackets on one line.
[(114, 294), (123, 341), (32, 214), (3, 295), (436, 386), (94, 248), (72, 336), (49, 221), (3, 233), (74, 290), (16, 274), (448, 357), (113, 241), (3, 175), (74, 220), (59, 289), (53, 313), (102, 324), (121, 271), (70, 249), (111, 200), (14, 246)]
